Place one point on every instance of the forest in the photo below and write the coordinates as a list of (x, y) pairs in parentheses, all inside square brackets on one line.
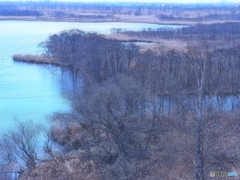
[(155, 114)]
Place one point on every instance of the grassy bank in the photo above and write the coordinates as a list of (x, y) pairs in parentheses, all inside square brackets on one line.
[(36, 59)]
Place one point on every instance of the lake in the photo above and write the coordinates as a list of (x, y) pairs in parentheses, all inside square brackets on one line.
[(29, 91)]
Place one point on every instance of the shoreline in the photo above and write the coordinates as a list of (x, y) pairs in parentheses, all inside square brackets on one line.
[(96, 21), (37, 59), (122, 20)]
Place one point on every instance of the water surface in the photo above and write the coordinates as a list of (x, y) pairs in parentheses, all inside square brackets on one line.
[(29, 91)]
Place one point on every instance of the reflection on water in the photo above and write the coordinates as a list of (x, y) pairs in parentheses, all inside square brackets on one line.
[(31, 92)]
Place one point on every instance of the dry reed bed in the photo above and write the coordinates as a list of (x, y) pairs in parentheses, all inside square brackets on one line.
[(37, 59)]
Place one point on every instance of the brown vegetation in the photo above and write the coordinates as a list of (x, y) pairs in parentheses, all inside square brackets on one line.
[(188, 14), (37, 59), (148, 115), (163, 114)]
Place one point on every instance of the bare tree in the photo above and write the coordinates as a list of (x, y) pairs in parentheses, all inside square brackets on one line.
[(198, 58), (208, 129), (25, 137), (112, 119), (8, 148)]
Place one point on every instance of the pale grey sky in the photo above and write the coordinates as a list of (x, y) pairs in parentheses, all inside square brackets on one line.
[(164, 1)]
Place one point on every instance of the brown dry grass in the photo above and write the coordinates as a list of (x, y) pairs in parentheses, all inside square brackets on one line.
[(144, 18), (38, 59), (155, 44)]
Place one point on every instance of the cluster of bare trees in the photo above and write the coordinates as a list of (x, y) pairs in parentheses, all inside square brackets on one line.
[(141, 115), (96, 57), (147, 106)]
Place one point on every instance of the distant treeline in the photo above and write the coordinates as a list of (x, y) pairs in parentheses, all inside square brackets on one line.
[(14, 11), (20, 13), (216, 31), (62, 14), (124, 8), (211, 16)]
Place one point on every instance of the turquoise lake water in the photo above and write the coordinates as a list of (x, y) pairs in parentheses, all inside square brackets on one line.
[(29, 91)]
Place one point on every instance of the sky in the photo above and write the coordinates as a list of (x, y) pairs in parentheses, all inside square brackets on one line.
[(163, 1)]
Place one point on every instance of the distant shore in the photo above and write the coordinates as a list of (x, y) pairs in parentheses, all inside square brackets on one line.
[(119, 18)]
